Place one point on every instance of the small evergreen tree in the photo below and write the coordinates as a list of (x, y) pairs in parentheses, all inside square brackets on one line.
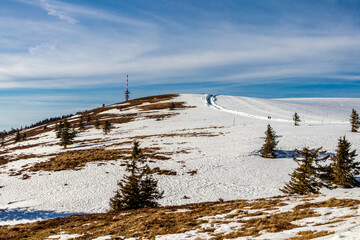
[(97, 124), (172, 106), (354, 120), (107, 127), (58, 129), (268, 149), (88, 118), (24, 136), (66, 124), (138, 189), (343, 166), (305, 179), (17, 136), (81, 123), (296, 119), (2, 139), (67, 136)]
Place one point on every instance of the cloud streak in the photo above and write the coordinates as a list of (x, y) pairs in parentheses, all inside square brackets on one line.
[(56, 11)]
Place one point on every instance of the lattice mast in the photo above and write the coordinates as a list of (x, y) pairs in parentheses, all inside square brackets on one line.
[(127, 93)]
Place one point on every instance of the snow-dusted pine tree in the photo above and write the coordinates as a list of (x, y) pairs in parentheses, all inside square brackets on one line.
[(81, 123), (296, 119), (67, 135), (17, 136), (138, 189), (354, 121), (97, 124), (106, 127), (343, 166), (305, 180), (268, 149), (2, 139)]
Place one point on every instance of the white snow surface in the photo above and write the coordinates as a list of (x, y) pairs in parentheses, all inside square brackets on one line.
[(228, 165)]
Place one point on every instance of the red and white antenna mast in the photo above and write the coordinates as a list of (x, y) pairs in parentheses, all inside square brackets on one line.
[(127, 93)]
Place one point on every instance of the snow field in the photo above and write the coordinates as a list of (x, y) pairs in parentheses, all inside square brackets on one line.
[(228, 165)]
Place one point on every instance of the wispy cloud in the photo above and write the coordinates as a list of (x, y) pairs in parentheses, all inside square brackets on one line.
[(70, 52), (56, 10)]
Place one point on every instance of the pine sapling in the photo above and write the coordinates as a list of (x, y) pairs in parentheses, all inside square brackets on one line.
[(305, 180), (268, 149), (81, 123), (296, 119), (138, 189), (354, 121), (343, 165), (67, 135), (2, 139), (17, 136), (97, 124), (58, 129), (172, 106), (106, 127)]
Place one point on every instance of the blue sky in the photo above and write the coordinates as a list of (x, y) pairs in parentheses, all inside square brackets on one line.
[(60, 57)]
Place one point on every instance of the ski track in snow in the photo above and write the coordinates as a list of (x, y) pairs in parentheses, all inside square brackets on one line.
[(261, 108), (228, 166)]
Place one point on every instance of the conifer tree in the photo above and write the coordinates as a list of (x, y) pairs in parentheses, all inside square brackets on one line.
[(58, 129), (66, 124), (88, 118), (343, 166), (172, 106), (268, 149), (354, 120), (305, 180), (2, 139), (107, 127), (97, 124), (67, 135), (296, 119), (138, 189), (81, 123), (17, 136)]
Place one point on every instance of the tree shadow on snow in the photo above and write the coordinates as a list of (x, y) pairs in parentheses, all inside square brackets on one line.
[(358, 179), (278, 153), (26, 213), (285, 153)]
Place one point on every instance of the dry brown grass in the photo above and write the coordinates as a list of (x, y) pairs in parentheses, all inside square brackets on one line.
[(148, 223), (159, 171), (162, 116), (305, 235), (150, 99), (193, 134), (4, 160), (332, 202), (77, 159), (164, 105)]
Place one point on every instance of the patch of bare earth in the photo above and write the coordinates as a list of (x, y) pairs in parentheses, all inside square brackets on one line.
[(77, 159), (151, 222), (304, 235)]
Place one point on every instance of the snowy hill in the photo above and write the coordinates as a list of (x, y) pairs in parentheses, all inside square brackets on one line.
[(205, 149)]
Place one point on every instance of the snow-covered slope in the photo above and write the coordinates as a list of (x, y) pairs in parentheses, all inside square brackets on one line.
[(213, 148)]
